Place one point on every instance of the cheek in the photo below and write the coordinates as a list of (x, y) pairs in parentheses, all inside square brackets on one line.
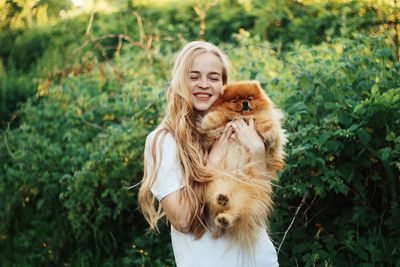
[(192, 85), (218, 87)]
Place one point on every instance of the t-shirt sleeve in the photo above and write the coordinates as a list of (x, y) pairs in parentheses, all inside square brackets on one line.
[(168, 179)]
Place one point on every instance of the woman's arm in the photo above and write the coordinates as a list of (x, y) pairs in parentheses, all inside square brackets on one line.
[(260, 159), (176, 211), (167, 186), (176, 208), (219, 148)]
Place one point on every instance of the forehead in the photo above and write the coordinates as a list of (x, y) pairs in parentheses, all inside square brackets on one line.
[(206, 62)]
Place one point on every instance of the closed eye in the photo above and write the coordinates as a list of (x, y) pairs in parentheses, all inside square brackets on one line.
[(214, 78)]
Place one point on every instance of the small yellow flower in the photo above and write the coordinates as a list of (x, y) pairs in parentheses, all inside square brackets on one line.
[(126, 161), (43, 88), (244, 32), (108, 117)]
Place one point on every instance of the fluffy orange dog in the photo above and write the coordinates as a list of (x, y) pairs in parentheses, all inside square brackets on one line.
[(239, 198)]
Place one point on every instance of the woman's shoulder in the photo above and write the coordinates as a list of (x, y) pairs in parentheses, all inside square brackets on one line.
[(163, 138)]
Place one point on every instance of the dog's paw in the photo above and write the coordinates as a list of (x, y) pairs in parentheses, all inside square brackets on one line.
[(222, 200), (205, 124), (224, 220)]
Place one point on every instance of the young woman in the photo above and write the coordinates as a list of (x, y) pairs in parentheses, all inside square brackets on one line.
[(176, 167)]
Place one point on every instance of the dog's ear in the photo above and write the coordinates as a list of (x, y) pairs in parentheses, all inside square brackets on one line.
[(256, 84)]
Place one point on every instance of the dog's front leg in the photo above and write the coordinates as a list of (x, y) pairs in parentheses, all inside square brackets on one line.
[(269, 133), (213, 120)]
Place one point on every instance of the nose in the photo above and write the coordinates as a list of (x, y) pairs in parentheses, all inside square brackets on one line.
[(245, 106), (203, 84)]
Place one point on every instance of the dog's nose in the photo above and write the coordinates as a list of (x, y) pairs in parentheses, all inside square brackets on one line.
[(245, 106)]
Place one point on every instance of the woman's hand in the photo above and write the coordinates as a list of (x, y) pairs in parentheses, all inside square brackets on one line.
[(219, 148), (248, 136)]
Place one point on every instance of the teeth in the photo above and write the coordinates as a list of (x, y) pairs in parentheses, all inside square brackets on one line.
[(202, 95)]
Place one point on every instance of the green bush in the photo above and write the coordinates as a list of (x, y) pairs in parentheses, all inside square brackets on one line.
[(53, 51), (343, 118), (80, 111), (65, 169)]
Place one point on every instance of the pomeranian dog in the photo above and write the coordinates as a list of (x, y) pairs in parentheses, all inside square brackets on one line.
[(239, 197)]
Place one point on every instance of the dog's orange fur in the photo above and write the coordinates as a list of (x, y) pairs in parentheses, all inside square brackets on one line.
[(239, 197)]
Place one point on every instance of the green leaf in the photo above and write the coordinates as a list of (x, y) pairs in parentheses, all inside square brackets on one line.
[(385, 154), (305, 83), (374, 89), (363, 136), (324, 137), (345, 119), (385, 53)]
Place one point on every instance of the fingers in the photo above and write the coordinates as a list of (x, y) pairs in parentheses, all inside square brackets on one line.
[(226, 134), (241, 123), (242, 128), (251, 122), (229, 133), (228, 125), (235, 126)]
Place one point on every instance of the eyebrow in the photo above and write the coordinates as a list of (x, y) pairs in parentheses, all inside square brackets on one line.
[(210, 73)]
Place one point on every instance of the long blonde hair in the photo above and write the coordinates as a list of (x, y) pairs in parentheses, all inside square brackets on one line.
[(180, 122)]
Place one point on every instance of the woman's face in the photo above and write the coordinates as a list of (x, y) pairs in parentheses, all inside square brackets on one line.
[(205, 80)]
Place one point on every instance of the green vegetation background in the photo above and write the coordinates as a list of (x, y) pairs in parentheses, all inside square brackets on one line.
[(82, 87)]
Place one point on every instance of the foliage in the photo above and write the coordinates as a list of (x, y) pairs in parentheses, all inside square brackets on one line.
[(41, 48), (47, 42), (68, 166), (81, 105), (342, 105)]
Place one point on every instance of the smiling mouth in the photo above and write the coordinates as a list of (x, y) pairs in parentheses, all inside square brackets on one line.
[(202, 96)]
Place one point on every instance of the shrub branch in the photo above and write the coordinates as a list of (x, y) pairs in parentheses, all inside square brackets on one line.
[(303, 201)]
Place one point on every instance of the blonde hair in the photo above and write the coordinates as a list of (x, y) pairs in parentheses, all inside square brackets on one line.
[(180, 122)]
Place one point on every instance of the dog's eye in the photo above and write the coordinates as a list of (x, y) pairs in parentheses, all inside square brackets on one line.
[(234, 100), (250, 98)]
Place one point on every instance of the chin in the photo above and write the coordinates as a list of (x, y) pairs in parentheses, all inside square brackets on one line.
[(203, 106), (239, 197)]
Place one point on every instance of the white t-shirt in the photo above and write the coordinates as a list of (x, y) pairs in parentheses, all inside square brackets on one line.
[(207, 251)]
